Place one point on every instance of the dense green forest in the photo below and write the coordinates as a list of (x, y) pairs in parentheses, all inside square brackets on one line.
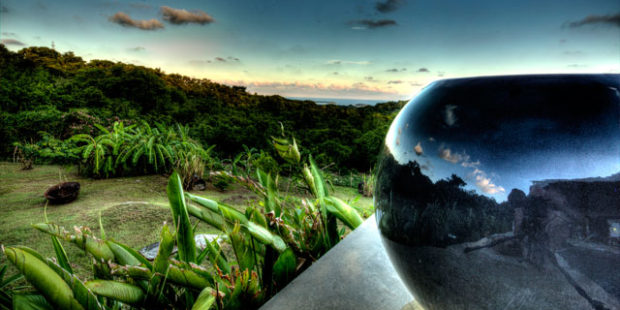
[(42, 90)]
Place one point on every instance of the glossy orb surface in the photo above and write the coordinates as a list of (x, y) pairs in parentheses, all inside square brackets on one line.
[(504, 193)]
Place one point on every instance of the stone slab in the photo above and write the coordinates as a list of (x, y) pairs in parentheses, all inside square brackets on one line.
[(355, 274)]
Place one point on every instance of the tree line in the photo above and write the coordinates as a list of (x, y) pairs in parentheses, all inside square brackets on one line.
[(44, 92)]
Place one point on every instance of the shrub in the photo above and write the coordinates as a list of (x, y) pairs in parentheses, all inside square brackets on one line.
[(141, 150)]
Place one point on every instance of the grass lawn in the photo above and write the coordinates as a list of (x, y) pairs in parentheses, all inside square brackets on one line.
[(132, 209)]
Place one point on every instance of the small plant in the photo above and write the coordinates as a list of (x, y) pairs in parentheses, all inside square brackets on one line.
[(25, 153), (221, 183), (367, 186)]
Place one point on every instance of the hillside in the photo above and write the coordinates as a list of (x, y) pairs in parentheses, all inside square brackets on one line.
[(61, 94)]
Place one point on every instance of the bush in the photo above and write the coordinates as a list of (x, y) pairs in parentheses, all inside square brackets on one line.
[(141, 149)]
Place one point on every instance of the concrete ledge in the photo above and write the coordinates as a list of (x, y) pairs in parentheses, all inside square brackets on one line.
[(355, 274)]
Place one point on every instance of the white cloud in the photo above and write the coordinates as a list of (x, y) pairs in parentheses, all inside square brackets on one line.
[(485, 185)]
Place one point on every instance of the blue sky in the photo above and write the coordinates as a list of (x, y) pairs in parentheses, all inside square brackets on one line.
[(384, 50)]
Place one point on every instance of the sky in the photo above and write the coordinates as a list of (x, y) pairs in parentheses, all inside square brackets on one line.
[(362, 49)]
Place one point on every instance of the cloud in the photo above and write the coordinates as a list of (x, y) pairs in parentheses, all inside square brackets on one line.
[(396, 70), (573, 53), (470, 164), (611, 20), (126, 21), (395, 82), (218, 59), (140, 5), (347, 62), (136, 49), (418, 149), (199, 62), (4, 9), (9, 34), (180, 16), (373, 24), (335, 73), (388, 5), (485, 185), (483, 182), (576, 66), (369, 78), (425, 70), (12, 42), (416, 84), (449, 156)]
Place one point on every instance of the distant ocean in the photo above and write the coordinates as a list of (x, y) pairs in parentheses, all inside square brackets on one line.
[(339, 101)]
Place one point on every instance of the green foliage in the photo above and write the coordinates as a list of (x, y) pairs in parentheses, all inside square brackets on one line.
[(271, 241), (6, 295), (44, 90), (142, 149)]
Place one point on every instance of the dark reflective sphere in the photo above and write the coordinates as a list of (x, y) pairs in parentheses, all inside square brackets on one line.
[(504, 193)]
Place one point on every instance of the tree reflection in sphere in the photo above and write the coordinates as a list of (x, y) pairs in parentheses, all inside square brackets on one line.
[(504, 193)]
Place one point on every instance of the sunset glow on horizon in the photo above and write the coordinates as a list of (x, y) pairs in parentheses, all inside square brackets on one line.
[(383, 50)]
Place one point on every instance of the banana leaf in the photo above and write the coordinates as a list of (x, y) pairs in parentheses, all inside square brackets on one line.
[(161, 264), (51, 285), (127, 256), (185, 234), (347, 214), (264, 236), (243, 252), (229, 213), (82, 239), (61, 255), (217, 257), (205, 300), (30, 302), (123, 292), (212, 218), (284, 268), (82, 294)]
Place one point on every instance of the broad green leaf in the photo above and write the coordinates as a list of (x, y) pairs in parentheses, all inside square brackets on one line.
[(212, 218), (185, 234), (347, 214), (189, 276), (61, 255), (205, 300), (161, 263), (98, 248), (55, 290), (284, 268), (264, 236), (30, 302), (227, 212), (127, 256), (217, 257), (83, 295), (243, 252), (123, 292)]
